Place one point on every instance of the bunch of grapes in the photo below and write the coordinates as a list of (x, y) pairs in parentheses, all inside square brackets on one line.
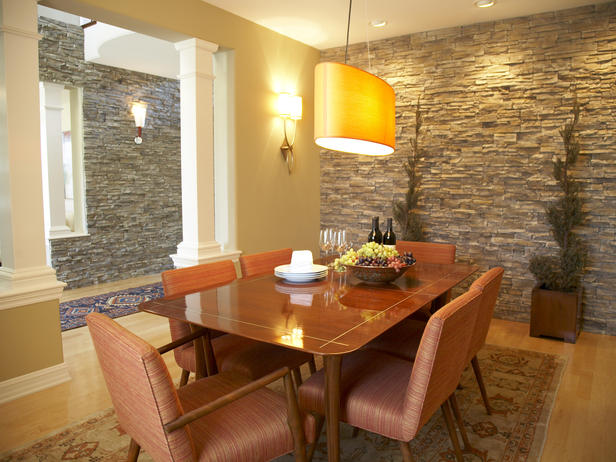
[(373, 254)]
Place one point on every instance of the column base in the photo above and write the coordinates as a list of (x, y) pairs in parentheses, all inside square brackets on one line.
[(28, 286), (191, 255)]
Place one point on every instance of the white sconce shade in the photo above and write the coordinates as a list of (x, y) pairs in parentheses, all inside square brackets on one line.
[(138, 110), (290, 109), (290, 106), (354, 111)]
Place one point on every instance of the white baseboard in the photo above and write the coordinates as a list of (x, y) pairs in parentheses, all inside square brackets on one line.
[(34, 381)]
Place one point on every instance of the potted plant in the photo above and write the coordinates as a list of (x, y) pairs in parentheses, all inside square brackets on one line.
[(404, 211), (557, 298)]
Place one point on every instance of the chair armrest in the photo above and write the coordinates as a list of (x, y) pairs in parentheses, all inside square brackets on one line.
[(201, 411), (181, 341)]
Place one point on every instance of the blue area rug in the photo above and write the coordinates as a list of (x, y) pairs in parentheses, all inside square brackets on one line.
[(114, 304)]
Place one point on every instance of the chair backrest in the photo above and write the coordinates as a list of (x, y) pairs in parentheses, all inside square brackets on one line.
[(440, 360), (429, 252), (182, 281), (489, 284), (141, 390), (264, 262)]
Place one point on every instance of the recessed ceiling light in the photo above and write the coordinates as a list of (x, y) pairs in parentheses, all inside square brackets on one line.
[(484, 3), (378, 23)]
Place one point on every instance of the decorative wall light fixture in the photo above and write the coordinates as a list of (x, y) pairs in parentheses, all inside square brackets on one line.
[(138, 110), (354, 111), (290, 109)]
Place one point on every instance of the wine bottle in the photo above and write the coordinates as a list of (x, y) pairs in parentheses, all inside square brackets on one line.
[(389, 238), (375, 235)]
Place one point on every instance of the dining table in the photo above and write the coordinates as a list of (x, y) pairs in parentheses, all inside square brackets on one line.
[(329, 317)]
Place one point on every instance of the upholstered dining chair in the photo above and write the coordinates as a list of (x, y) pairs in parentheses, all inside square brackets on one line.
[(258, 264), (403, 340), (393, 397), (224, 417), (429, 252), (231, 352)]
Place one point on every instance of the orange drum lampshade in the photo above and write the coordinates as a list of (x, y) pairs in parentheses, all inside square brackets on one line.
[(354, 111)]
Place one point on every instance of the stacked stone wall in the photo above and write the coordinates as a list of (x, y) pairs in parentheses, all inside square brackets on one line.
[(494, 97), (133, 192)]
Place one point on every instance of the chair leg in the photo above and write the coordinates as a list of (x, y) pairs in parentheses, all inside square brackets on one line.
[(482, 387), (294, 420), (452, 431), (297, 376), (405, 448), (184, 377), (312, 366), (453, 401), (133, 451), (320, 420)]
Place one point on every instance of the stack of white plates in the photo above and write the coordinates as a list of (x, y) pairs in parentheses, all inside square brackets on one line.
[(305, 275)]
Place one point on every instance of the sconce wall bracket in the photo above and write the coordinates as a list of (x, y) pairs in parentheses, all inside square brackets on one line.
[(286, 149)]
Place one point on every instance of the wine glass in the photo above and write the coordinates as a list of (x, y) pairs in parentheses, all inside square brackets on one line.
[(325, 240), (341, 242)]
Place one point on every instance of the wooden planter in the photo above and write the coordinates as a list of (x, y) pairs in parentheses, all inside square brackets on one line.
[(556, 314)]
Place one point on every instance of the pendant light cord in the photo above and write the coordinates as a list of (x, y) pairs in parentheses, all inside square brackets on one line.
[(346, 50)]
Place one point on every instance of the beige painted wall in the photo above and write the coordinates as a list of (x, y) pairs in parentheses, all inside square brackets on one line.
[(29, 339), (274, 209)]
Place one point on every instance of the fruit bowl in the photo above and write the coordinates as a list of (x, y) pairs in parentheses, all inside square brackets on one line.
[(376, 273)]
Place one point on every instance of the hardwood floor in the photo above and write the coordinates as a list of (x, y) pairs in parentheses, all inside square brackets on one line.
[(581, 426)]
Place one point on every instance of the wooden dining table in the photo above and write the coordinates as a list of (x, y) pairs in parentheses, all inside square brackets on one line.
[(330, 317)]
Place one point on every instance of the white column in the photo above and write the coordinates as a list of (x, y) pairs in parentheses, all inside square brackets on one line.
[(51, 150), (197, 150), (24, 276)]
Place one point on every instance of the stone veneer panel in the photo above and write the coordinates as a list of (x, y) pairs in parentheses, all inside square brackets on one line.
[(133, 192), (494, 97)]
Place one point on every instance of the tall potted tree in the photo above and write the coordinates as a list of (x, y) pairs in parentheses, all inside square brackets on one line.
[(557, 298), (405, 210)]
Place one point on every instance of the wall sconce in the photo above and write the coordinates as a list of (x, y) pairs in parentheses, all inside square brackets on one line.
[(138, 110), (290, 109)]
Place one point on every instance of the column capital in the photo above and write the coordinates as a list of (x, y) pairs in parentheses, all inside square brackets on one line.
[(196, 43)]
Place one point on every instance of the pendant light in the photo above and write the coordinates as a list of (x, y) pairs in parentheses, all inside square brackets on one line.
[(355, 111)]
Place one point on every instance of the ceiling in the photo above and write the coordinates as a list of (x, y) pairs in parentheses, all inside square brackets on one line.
[(322, 23)]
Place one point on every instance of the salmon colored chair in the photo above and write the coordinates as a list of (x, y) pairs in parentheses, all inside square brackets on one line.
[(403, 340), (248, 357), (224, 417), (262, 263), (393, 397)]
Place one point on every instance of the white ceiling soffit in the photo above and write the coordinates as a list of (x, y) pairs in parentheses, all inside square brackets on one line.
[(322, 23), (117, 47)]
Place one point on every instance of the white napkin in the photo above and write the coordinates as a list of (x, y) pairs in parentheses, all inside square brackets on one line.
[(301, 261)]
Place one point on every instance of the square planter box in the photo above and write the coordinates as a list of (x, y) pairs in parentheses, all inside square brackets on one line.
[(556, 314)]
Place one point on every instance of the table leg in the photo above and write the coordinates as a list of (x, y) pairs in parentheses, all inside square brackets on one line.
[(199, 354), (332, 405)]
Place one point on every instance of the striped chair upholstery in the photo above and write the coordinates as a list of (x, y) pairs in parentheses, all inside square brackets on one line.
[(403, 339), (392, 397), (258, 264), (182, 281), (232, 353), (253, 427), (429, 252)]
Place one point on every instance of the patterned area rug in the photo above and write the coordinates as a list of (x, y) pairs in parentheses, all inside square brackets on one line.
[(114, 304), (522, 386)]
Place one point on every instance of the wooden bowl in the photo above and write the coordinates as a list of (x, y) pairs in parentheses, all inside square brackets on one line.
[(376, 273)]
